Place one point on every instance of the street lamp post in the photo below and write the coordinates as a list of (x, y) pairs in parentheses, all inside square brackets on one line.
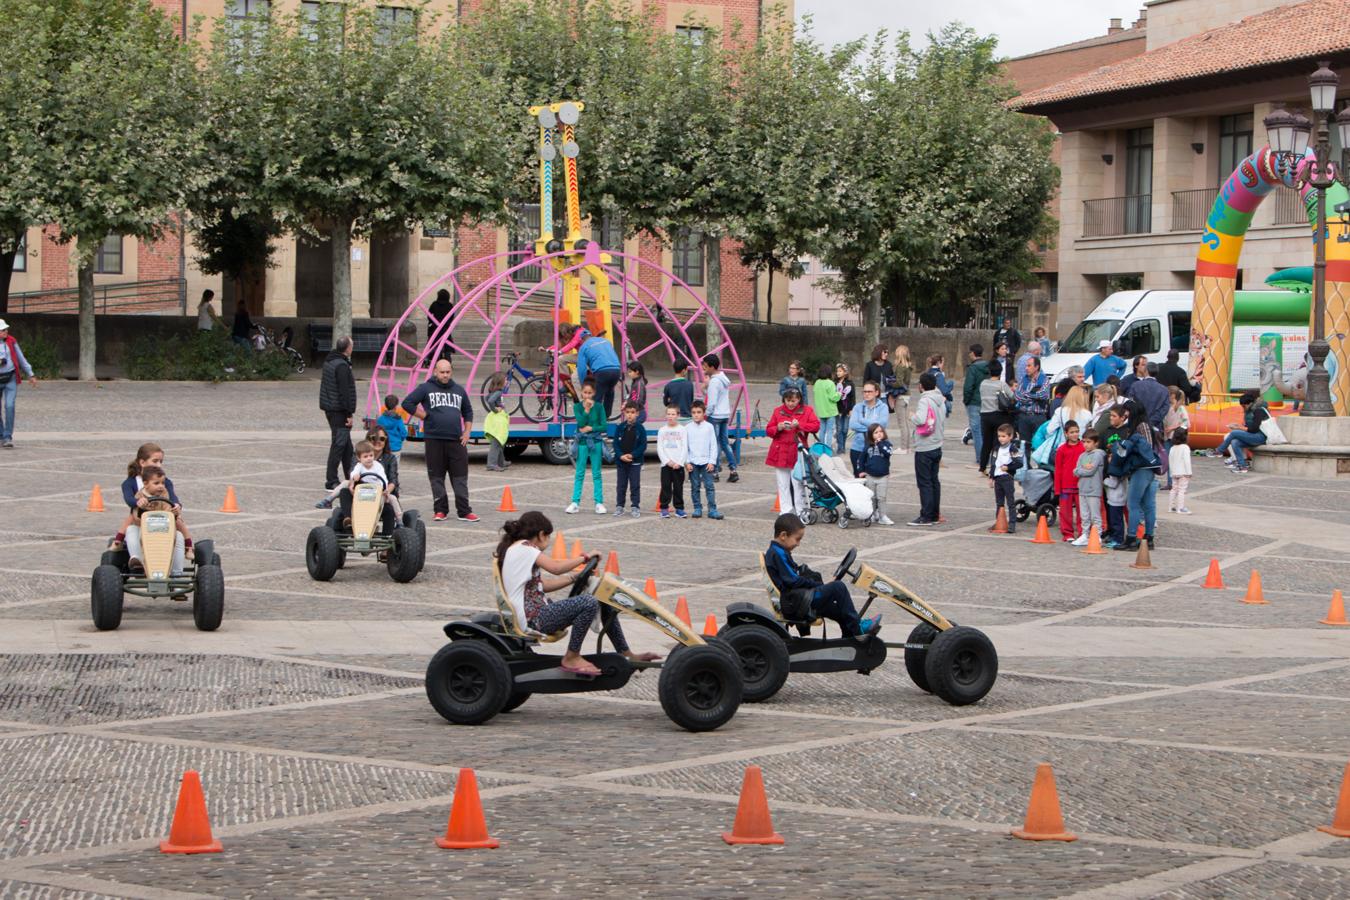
[(1289, 135)]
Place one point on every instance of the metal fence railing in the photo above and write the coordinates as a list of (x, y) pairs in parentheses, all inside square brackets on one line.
[(1190, 209), (1289, 208), (166, 295), (1118, 215)]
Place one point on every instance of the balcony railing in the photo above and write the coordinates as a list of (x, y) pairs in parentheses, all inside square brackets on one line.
[(1289, 208), (1190, 209), (168, 295), (1118, 215)]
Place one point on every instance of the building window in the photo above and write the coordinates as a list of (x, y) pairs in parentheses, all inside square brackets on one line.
[(243, 9), (694, 34), (108, 259), (21, 254), (1235, 142), (314, 12), (1138, 180), (522, 237), (609, 235), (394, 21), (687, 258), (806, 265)]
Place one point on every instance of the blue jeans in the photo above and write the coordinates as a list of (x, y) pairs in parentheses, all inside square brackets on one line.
[(8, 392), (629, 482), (723, 445), (1243, 440), (826, 435), (841, 435), (700, 476), (833, 601), (1143, 497), (976, 429)]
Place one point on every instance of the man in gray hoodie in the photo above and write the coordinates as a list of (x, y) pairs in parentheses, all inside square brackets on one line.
[(930, 422)]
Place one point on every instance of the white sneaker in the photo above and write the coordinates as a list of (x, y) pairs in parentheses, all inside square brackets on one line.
[(1184, 511), (572, 508), (599, 509), (885, 520), (1080, 541)]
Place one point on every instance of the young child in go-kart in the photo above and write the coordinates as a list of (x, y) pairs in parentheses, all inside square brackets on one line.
[(147, 454), (520, 558), (366, 464), (804, 593), (153, 495)]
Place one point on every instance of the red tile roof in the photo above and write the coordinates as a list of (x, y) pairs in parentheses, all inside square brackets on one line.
[(1303, 31)]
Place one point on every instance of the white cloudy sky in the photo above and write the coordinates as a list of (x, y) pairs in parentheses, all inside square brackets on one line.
[(1022, 26)]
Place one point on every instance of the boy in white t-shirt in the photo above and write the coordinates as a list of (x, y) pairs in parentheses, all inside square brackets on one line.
[(366, 464), (672, 448), (702, 464), (1179, 466)]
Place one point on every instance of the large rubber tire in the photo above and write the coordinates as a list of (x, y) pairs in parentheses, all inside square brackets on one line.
[(557, 451), (413, 519), (700, 687), (208, 598), (516, 700), (468, 682), (962, 665), (763, 656), (923, 633), (321, 553), (204, 553), (105, 597), (406, 556)]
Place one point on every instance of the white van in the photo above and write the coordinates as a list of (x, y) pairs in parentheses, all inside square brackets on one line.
[(1147, 323)]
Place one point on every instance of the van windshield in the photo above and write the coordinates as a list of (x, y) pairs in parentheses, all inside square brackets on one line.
[(1088, 336)]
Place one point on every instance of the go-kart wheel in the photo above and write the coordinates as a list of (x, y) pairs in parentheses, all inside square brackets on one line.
[(468, 682), (915, 659), (405, 557), (412, 519), (763, 657), (962, 665), (700, 687), (203, 552), (105, 597), (322, 553), (208, 598), (342, 558), (808, 516), (584, 577), (845, 564), (516, 699), (334, 521)]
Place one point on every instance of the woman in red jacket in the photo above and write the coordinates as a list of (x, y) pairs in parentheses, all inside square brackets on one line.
[(788, 421)]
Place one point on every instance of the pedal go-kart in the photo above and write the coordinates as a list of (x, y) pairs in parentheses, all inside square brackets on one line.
[(957, 663), (491, 664), (402, 549), (201, 579)]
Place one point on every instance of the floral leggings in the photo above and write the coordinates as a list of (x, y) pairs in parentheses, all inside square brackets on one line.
[(577, 612)]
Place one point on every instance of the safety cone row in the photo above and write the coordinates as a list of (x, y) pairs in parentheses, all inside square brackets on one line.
[(508, 503), (231, 504), (95, 500), (682, 612), (1336, 612), (1214, 577), (1000, 522), (1094, 544), (1255, 596), (1042, 530), (612, 564)]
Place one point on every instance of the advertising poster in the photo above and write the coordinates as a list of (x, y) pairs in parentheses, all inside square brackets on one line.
[(1258, 348)]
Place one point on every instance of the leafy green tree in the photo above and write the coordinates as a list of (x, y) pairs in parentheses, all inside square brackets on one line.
[(23, 194)]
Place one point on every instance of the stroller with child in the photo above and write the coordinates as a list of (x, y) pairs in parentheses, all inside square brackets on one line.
[(1038, 490), (834, 493)]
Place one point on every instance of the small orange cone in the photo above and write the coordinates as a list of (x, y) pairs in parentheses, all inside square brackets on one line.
[(95, 500), (777, 503), (1042, 531), (1213, 578), (559, 546), (191, 829), (612, 564), (231, 504), (753, 823), (650, 589), (577, 550), (467, 829), (1044, 820), (682, 612), (1094, 545), (1142, 559), (1255, 595), (508, 503), (1000, 522), (1336, 612), (710, 626), (1139, 532), (1340, 822)]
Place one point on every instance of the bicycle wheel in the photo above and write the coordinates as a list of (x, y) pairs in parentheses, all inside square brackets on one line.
[(536, 402), (297, 361), (511, 394)]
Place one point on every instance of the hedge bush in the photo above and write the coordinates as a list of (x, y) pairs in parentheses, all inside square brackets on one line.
[(203, 356)]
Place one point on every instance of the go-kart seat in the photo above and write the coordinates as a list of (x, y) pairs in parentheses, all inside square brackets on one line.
[(508, 616), (775, 599)]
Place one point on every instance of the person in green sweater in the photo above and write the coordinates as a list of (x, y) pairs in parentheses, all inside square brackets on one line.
[(590, 418), (826, 396), (977, 370)]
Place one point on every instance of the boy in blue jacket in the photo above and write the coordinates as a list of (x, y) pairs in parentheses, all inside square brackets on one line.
[(803, 593), (630, 448), (394, 423)]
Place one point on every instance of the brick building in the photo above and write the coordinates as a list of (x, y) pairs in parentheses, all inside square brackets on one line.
[(386, 272)]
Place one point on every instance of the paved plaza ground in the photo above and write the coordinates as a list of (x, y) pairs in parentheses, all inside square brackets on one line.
[(1197, 741)]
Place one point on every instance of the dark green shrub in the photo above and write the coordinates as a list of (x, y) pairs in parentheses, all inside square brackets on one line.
[(41, 354), (202, 356), (816, 357)]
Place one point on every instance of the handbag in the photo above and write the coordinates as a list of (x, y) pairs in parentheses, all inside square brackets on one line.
[(1271, 429), (1006, 402), (928, 424)]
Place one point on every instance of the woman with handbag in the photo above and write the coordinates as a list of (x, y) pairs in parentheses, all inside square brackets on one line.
[(996, 408), (1252, 433), (1134, 459)]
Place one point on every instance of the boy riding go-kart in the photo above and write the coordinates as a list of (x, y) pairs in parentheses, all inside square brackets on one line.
[(365, 523)]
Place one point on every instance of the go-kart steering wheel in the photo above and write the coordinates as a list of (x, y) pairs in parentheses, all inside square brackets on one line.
[(585, 575), (846, 563), (375, 475)]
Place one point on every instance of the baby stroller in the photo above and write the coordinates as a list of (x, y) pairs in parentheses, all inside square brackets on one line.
[(835, 494), (1038, 490)]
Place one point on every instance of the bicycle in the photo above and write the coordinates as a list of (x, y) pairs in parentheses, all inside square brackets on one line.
[(531, 393), (280, 344)]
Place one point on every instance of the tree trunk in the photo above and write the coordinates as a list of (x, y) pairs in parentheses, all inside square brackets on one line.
[(88, 331), (712, 254), (342, 280), (768, 300), (871, 323), (6, 276)]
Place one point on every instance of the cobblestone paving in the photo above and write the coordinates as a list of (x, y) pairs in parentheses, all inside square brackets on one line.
[(22, 890), (318, 788)]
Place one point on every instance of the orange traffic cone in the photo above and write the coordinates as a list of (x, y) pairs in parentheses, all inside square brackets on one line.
[(508, 503), (777, 503), (231, 504), (1044, 820), (577, 550), (1340, 822), (1000, 522), (559, 546), (1139, 532), (682, 612), (191, 829), (1042, 531), (1141, 559), (612, 564), (467, 829), (1336, 612), (710, 626), (650, 589), (1255, 595), (1094, 545), (1213, 578), (95, 500), (753, 823)]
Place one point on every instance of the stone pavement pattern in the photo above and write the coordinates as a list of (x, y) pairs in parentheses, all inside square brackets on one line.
[(1196, 741)]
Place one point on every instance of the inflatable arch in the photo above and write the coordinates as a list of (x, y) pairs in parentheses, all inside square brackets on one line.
[(1216, 272)]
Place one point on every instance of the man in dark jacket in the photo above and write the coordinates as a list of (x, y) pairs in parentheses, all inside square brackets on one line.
[(447, 418), (1152, 396), (437, 313), (337, 399), (1171, 374), (1010, 336), (977, 370)]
